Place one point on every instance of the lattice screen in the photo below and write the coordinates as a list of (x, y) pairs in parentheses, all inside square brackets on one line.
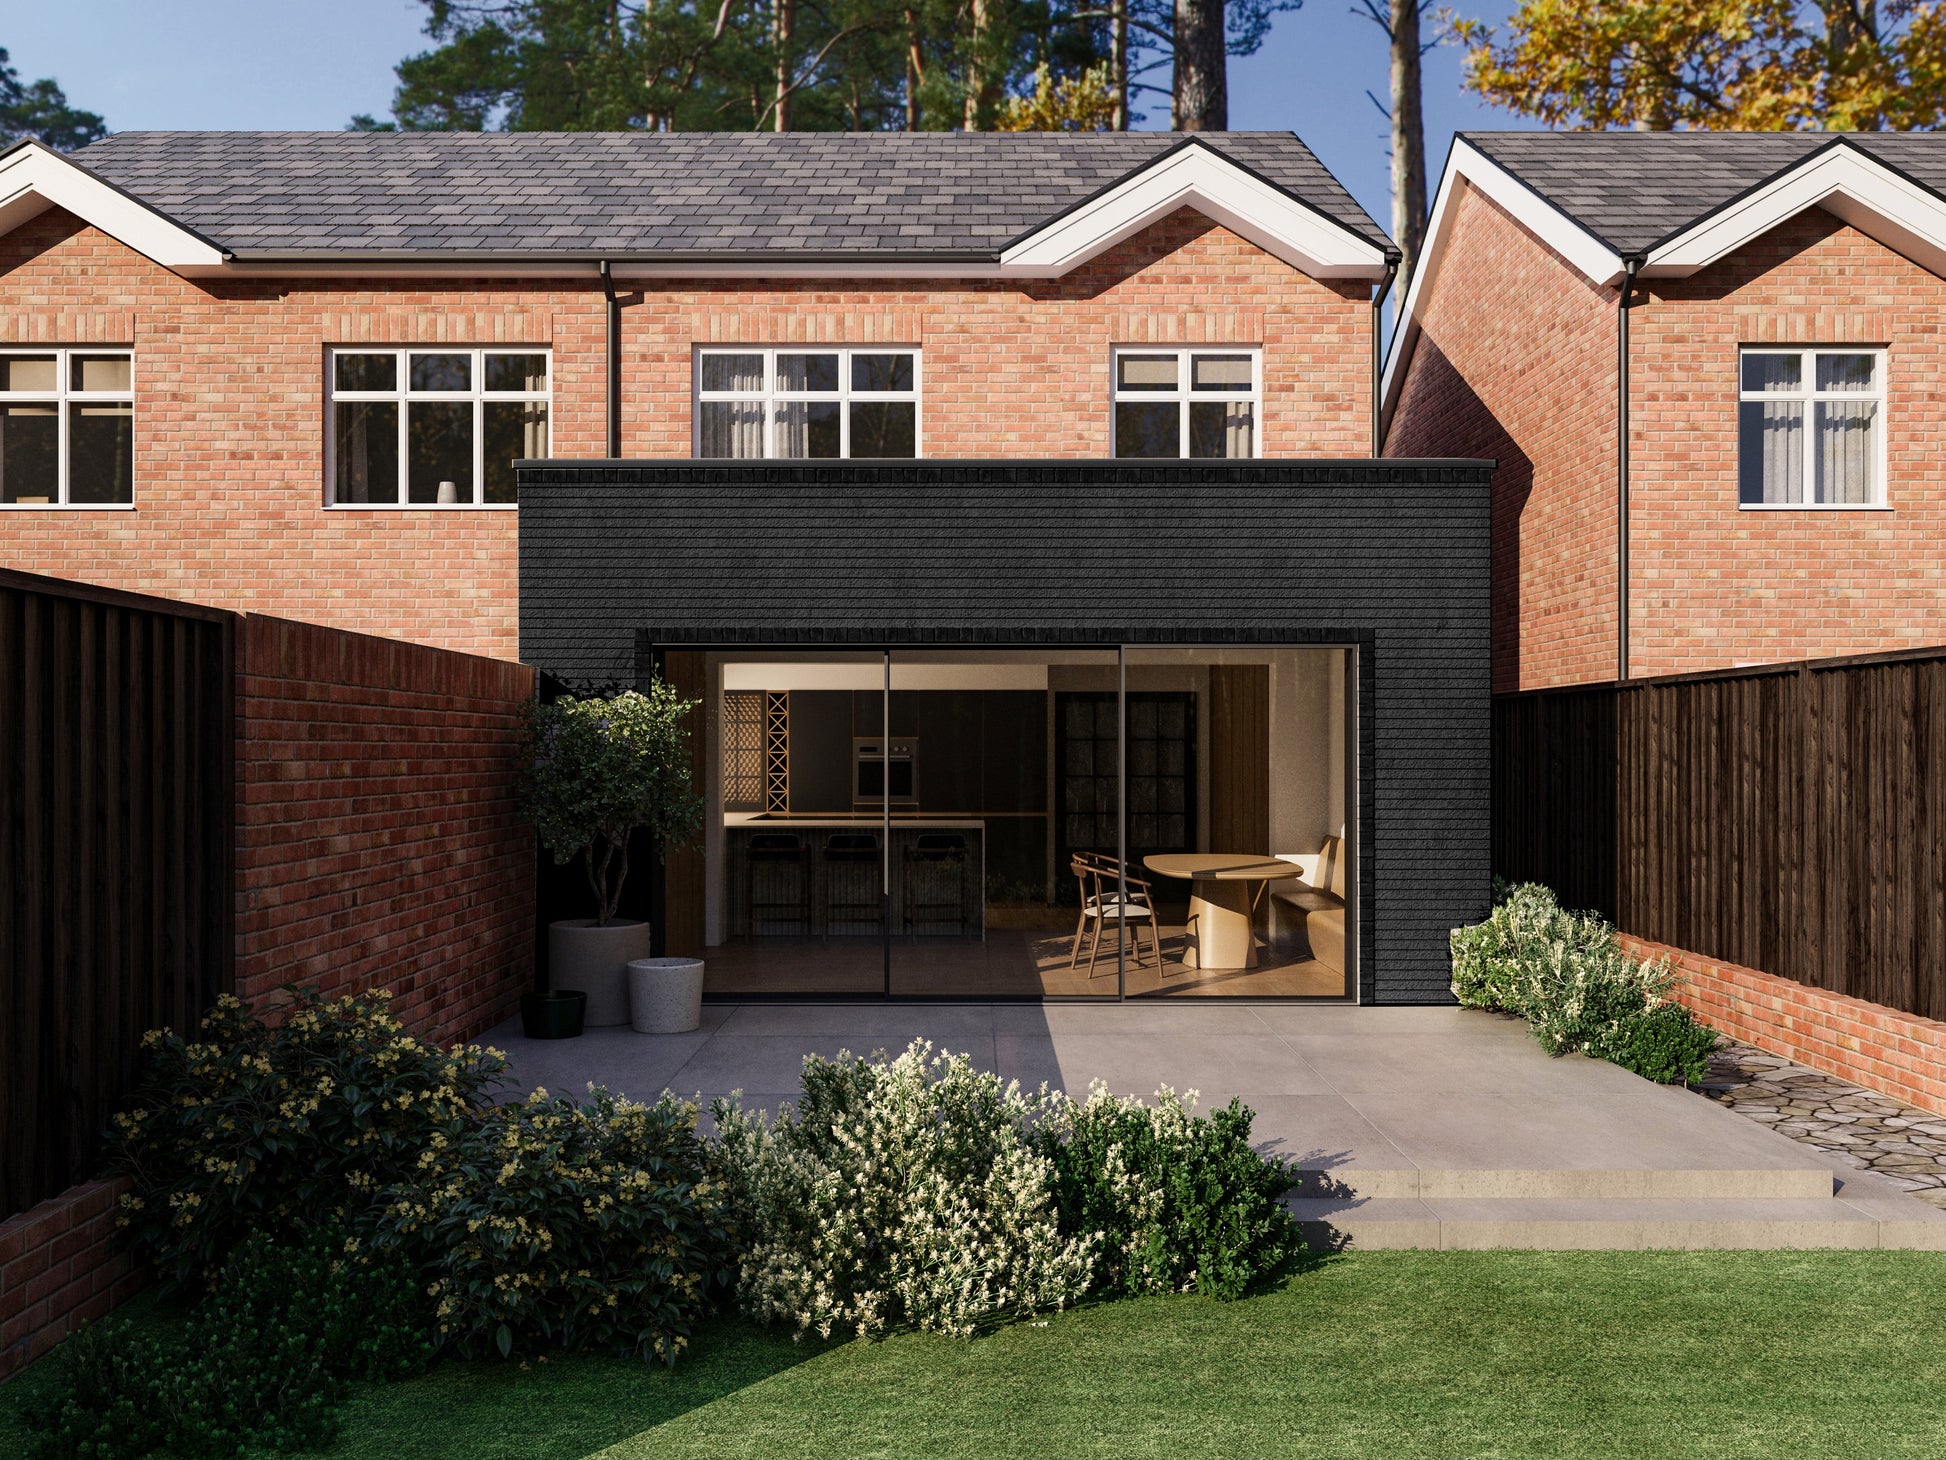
[(777, 750), (743, 749)]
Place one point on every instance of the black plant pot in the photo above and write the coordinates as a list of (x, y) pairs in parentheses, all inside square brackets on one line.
[(554, 1015)]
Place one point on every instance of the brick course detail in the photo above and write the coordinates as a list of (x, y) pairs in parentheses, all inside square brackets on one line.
[(1898, 1054), (61, 1265), (230, 408)]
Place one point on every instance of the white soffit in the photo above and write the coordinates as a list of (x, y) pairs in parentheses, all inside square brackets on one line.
[(1843, 180), (34, 178), (1196, 176)]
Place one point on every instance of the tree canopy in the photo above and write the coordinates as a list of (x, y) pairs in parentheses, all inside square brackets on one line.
[(1758, 65), (40, 110)]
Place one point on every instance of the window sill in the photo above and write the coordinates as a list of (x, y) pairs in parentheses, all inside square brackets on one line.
[(422, 506), (1814, 506), (67, 506)]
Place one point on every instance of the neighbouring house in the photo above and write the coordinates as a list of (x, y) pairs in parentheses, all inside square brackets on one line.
[(1781, 497), (1140, 615)]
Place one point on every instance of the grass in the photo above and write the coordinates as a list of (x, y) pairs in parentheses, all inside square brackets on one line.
[(1375, 1354)]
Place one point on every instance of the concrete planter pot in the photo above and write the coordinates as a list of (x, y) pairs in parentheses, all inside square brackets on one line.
[(595, 960), (665, 995), (555, 1015)]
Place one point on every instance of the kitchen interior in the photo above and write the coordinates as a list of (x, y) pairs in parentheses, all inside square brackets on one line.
[(953, 823)]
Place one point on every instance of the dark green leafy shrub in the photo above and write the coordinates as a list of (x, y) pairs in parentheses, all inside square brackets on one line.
[(254, 1127), (266, 1352), (1181, 1202), (1665, 1043), (573, 1226)]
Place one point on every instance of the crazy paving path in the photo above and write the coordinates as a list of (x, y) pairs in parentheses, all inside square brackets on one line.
[(1859, 1127)]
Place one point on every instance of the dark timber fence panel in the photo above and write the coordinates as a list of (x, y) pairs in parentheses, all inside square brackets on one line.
[(116, 793), (1790, 819)]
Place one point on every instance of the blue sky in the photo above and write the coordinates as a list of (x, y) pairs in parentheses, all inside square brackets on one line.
[(281, 63)]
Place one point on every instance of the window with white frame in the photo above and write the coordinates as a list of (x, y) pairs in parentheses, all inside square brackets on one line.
[(1201, 403), (67, 428), (796, 402), (434, 428), (1811, 428)]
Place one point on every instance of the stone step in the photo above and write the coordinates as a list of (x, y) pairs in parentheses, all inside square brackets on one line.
[(1624, 1224), (1809, 1182)]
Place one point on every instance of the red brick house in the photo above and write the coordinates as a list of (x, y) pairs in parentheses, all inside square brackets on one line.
[(241, 365), (1780, 497)]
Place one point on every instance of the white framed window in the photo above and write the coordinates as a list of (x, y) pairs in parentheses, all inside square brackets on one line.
[(67, 427), (1811, 428), (1187, 403), (433, 427), (793, 401)]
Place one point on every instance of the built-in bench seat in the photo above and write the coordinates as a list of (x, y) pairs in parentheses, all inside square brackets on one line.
[(1317, 903)]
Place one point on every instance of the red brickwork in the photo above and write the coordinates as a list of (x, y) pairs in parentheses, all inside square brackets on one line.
[(1517, 362), (378, 838), (60, 1266), (1897, 1054), (230, 406)]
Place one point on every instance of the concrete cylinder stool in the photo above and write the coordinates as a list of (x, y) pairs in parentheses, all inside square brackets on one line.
[(665, 995)]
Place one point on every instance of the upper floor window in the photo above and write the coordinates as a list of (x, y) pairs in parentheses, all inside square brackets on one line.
[(67, 428), (1200, 403), (1811, 428), (807, 403), (434, 428)]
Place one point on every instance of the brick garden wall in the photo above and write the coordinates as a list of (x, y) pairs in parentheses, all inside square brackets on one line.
[(60, 1267), (230, 410), (1898, 1054), (378, 838)]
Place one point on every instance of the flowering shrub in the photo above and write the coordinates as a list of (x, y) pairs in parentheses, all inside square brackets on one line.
[(265, 1352), (1177, 1202), (552, 1222), (1565, 974), (252, 1127), (904, 1192)]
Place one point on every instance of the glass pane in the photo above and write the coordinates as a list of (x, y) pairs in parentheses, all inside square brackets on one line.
[(1772, 372), (439, 441), (441, 372), (884, 428), (881, 372), (808, 428), (367, 372), (516, 372), (1847, 372), (732, 428), (1219, 372), (365, 450), (1847, 450), (1221, 428), (30, 453), (1144, 428), (1146, 372), (28, 372), (807, 372), (515, 431), (733, 372), (101, 453), (101, 372), (1770, 451)]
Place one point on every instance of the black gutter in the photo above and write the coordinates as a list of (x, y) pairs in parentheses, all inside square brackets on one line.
[(614, 362), (1378, 353), (1622, 300)]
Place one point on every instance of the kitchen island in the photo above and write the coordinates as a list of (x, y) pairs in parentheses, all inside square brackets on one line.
[(826, 876)]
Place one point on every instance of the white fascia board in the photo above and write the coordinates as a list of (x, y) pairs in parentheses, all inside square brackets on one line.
[(1196, 176), (1842, 180), (34, 178)]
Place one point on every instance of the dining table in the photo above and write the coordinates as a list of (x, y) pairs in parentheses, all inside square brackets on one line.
[(1225, 888)]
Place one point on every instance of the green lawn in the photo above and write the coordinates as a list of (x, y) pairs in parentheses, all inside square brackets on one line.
[(1381, 1354)]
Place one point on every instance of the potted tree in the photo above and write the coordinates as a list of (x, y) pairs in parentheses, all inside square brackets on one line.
[(598, 770)]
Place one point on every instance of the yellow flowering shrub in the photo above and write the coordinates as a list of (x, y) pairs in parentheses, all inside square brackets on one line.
[(251, 1127)]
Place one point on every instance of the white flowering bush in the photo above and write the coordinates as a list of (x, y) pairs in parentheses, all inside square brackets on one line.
[(1565, 974), (904, 1192)]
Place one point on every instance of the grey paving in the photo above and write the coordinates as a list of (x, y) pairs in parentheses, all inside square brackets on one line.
[(1431, 1127), (641, 193)]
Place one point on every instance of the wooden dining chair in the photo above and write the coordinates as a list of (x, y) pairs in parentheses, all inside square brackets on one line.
[(1100, 879)]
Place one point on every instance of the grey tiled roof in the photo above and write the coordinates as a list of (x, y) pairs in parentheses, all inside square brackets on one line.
[(1634, 189), (641, 193)]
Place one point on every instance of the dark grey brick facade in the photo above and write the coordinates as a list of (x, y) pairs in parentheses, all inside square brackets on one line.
[(1392, 556)]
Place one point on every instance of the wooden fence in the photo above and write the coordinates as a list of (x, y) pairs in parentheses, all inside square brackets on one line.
[(1791, 818), (116, 792)]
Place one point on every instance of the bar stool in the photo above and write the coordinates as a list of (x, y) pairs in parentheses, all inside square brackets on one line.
[(786, 881), (853, 892), (935, 864)]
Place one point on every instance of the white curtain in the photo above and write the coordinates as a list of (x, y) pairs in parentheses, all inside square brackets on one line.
[(1772, 451), (793, 429), (1847, 450), (1239, 426), (733, 428)]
